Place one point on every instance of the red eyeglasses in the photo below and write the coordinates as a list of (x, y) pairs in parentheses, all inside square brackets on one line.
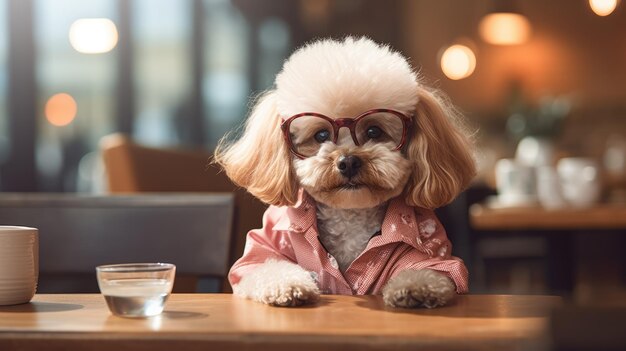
[(306, 132)]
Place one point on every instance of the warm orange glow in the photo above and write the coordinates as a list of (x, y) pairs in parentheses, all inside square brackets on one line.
[(504, 29), (61, 109), (93, 35), (603, 7), (458, 62)]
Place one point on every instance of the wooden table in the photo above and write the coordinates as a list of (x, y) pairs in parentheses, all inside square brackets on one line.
[(580, 262), (484, 217), (224, 322)]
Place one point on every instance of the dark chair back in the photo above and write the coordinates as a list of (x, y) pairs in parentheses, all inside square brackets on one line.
[(78, 233)]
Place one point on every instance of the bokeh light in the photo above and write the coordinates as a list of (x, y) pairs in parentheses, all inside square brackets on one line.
[(458, 62), (93, 35), (603, 7), (61, 109), (504, 28)]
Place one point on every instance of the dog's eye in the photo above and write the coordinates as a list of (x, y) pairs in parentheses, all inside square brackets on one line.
[(374, 132), (322, 136)]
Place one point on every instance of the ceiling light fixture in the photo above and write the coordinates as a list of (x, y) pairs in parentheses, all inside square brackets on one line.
[(505, 25)]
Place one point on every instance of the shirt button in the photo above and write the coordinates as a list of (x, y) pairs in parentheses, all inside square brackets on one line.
[(333, 261), (405, 219), (442, 251)]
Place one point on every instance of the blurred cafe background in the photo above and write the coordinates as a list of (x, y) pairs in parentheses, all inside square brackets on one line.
[(542, 84)]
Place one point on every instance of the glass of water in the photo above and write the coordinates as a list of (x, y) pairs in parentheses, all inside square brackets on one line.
[(136, 290)]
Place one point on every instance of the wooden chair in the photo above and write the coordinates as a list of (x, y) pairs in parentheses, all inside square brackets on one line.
[(133, 168), (78, 233)]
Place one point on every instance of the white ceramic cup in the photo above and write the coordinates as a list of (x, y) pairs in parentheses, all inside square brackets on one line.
[(549, 190), (19, 264), (533, 151), (516, 182), (580, 180)]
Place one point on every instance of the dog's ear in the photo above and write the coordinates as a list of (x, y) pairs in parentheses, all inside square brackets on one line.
[(260, 160), (441, 153)]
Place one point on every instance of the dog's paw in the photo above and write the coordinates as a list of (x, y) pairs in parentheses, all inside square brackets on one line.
[(290, 294), (419, 288), (279, 283)]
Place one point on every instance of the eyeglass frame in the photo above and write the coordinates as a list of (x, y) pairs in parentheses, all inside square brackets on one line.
[(349, 123)]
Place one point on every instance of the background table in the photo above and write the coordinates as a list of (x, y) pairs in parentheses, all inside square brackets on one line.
[(584, 246), (225, 322), (483, 217)]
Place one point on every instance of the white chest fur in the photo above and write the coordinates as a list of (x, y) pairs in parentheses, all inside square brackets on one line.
[(346, 232)]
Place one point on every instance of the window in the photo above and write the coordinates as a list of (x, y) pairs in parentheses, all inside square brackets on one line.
[(171, 72), (162, 70), (5, 142), (273, 49), (76, 102), (225, 83)]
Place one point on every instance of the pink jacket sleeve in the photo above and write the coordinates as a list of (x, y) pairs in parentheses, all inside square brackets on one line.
[(261, 245), (434, 251)]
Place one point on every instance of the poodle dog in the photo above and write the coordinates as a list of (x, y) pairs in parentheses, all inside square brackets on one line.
[(353, 153)]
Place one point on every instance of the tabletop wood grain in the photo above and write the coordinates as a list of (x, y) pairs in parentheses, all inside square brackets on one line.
[(223, 321)]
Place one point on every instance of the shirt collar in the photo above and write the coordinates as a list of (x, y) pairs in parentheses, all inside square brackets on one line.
[(299, 217), (399, 224)]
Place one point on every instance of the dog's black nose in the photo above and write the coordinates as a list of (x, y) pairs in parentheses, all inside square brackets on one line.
[(349, 165)]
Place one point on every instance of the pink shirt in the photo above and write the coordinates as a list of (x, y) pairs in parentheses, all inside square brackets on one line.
[(411, 238)]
